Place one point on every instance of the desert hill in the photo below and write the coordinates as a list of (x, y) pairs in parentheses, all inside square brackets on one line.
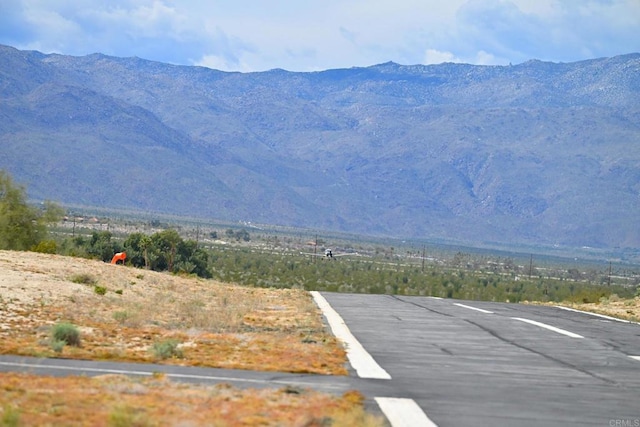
[(533, 153)]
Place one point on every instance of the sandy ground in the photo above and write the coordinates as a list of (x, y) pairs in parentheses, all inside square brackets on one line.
[(122, 313), (628, 309), (215, 324)]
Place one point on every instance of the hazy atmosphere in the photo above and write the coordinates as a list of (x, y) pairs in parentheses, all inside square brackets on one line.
[(254, 35)]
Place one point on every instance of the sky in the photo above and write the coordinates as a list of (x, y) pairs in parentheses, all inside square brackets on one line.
[(313, 35)]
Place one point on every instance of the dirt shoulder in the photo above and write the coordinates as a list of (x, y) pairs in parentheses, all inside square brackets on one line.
[(125, 313), (135, 315), (627, 309)]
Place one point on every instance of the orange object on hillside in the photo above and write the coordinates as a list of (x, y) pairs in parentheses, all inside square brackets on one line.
[(120, 256)]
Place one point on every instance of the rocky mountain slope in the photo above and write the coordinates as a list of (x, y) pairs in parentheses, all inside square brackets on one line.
[(538, 152)]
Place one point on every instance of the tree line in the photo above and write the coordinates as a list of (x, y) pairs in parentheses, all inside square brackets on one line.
[(24, 227)]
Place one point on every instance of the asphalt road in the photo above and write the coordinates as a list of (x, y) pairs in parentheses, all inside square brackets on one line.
[(429, 361), (480, 364)]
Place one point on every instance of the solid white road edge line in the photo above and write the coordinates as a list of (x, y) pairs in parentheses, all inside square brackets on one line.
[(360, 359), (403, 412), (473, 308), (147, 373), (549, 327), (593, 314), (635, 358)]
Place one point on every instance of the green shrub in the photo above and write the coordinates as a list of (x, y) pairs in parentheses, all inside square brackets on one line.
[(121, 316), (83, 279), (167, 349), (67, 333), (57, 345), (46, 247), (126, 416), (10, 417), (100, 290)]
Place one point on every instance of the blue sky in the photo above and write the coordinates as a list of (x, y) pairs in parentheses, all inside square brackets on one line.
[(310, 35)]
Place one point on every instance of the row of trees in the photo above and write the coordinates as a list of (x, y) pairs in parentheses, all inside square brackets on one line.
[(24, 227), (356, 275), (162, 251)]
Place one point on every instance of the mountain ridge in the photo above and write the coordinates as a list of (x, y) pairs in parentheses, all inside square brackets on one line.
[(536, 152)]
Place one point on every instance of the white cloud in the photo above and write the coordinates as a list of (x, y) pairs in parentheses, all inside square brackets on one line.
[(433, 56), (254, 35)]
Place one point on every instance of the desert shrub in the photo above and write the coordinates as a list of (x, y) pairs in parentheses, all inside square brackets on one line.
[(126, 416), (46, 247), (57, 345), (67, 333), (83, 279), (100, 290), (10, 417), (167, 349), (121, 316)]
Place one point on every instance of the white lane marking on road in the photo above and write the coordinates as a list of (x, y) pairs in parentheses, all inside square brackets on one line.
[(593, 314), (473, 308), (147, 373), (549, 327), (635, 358), (403, 412), (360, 359), (435, 297)]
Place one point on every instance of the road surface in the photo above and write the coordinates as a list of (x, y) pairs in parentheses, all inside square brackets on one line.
[(478, 363)]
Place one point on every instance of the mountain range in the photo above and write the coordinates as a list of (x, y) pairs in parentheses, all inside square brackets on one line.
[(534, 153)]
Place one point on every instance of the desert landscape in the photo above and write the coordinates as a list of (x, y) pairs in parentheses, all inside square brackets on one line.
[(127, 314), (121, 313)]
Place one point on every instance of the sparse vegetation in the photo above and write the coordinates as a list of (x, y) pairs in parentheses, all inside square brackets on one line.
[(481, 280), (65, 333), (121, 316), (211, 323), (57, 345), (100, 290), (127, 416), (84, 279), (116, 400), (273, 262), (167, 349), (10, 416), (217, 324)]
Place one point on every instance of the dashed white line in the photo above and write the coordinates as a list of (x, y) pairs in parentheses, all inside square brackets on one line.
[(593, 314), (403, 412), (473, 308), (635, 358), (360, 359), (549, 327)]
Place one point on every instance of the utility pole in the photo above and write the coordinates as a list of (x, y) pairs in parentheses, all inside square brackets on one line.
[(530, 266), (423, 250)]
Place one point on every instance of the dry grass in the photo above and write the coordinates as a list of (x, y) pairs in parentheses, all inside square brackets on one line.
[(115, 400), (214, 324), (613, 306)]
